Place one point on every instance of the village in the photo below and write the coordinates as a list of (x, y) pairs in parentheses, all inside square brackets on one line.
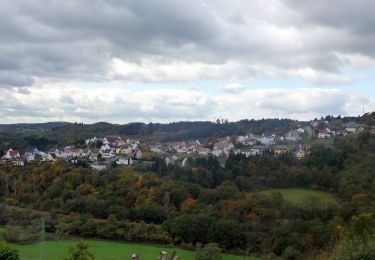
[(99, 153)]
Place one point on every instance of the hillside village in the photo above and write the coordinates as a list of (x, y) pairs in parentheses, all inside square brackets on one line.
[(99, 153)]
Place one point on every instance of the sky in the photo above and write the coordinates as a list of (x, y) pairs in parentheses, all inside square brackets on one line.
[(123, 61)]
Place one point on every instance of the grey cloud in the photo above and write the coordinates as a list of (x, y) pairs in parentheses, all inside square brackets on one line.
[(358, 16), (10, 78), (77, 40)]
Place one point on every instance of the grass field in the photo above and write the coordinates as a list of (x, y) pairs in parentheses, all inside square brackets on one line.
[(298, 196), (105, 250)]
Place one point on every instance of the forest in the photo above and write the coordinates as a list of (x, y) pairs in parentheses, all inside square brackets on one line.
[(206, 202)]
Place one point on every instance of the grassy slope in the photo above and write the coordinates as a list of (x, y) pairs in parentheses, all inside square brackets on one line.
[(105, 250), (297, 196)]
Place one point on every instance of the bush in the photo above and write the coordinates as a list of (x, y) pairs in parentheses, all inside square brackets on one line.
[(208, 252), (7, 252), (16, 234), (355, 249), (80, 252)]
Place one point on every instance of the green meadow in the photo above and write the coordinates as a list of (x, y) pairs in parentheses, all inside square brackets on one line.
[(107, 250), (299, 196)]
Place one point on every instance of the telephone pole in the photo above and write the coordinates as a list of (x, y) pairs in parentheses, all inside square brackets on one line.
[(42, 239)]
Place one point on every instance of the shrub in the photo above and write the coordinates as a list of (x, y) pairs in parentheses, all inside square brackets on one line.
[(210, 251), (7, 252)]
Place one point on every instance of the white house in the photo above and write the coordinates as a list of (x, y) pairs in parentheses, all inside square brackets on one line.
[(11, 155), (217, 152), (350, 128), (98, 167), (108, 153), (267, 140), (125, 161), (323, 134), (155, 149), (293, 136)]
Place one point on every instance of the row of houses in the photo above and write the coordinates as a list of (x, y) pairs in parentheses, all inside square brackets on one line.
[(327, 132), (248, 145), (112, 148)]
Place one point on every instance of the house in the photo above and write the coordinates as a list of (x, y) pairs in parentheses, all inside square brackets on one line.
[(246, 140), (76, 152), (301, 130), (127, 161), (257, 150), (121, 142), (253, 151), (108, 153), (113, 140), (168, 161), (105, 141), (267, 140), (341, 132), (323, 134), (52, 156), (293, 136), (86, 152), (279, 149), (120, 149), (202, 150), (39, 155), (11, 155), (18, 162), (351, 128), (217, 152), (93, 156), (126, 150), (155, 149), (220, 148), (139, 154), (171, 160), (105, 147), (359, 130), (241, 139), (314, 123), (92, 140), (253, 139), (98, 167), (29, 156), (247, 153), (300, 153), (68, 151)]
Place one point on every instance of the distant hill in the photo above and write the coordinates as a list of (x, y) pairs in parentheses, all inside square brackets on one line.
[(67, 133), (172, 131), (33, 127)]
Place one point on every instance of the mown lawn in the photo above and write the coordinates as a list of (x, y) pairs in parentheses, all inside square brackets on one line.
[(106, 250), (298, 196)]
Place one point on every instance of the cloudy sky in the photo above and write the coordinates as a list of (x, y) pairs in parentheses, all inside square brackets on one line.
[(122, 61)]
